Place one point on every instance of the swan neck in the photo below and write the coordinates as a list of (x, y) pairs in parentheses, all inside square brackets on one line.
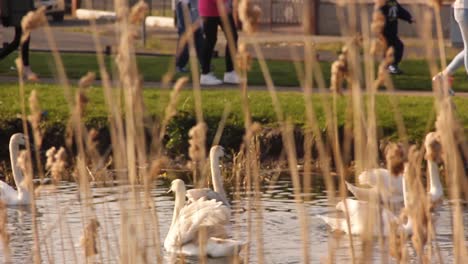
[(178, 204), (216, 175), (405, 188), (434, 177), (408, 227), (17, 173)]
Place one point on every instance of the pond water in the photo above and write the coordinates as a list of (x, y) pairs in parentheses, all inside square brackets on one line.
[(61, 220)]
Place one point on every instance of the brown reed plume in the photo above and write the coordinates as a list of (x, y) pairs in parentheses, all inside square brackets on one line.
[(33, 20), (56, 163), (138, 12), (249, 15), (197, 152)]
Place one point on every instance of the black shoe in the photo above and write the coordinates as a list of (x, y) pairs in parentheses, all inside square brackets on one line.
[(181, 69), (393, 69)]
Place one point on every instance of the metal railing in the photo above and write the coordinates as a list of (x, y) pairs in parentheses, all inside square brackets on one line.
[(273, 11)]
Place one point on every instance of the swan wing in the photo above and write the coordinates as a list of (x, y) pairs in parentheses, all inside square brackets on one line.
[(373, 177), (195, 194), (363, 194), (7, 194), (209, 214), (218, 247)]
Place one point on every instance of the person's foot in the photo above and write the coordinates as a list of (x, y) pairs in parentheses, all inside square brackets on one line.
[(439, 80), (29, 74), (181, 69), (393, 69), (209, 79), (231, 77)]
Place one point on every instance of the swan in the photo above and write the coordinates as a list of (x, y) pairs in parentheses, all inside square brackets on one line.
[(386, 185), (360, 211), (216, 152), (8, 194), (433, 157), (390, 191), (188, 219)]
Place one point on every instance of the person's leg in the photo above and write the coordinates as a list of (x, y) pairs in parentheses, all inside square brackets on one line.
[(399, 48), (25, 51), (199, 43), (461, 57), (233, 33), (13, 45), (210, 28), (182, 55)]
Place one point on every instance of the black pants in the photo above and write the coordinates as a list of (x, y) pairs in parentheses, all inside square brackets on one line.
[(210, 28), (13, 45), (398, 47)]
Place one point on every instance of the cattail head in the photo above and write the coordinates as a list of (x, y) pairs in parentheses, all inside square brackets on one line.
[(171, 108), (395, 156), (433, 147), (24, 163), (35, 118), (87, 80), (138, 12), (33, 20), (50, 155), (339, 71), (244, 59), (249, 14), (197, 141)]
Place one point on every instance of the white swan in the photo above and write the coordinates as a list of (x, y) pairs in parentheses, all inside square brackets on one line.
[(390, 188), (385, 185), (433, 155), (361, 211), (216, 152), (188, 220), (8, 195)]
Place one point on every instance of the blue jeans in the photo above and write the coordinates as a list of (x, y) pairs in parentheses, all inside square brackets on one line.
[(461, 16), (183, 56)]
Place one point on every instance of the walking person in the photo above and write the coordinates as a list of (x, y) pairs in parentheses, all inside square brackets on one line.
[(12, 11), (393, 11), (211, 16), (460, 12), (182, 57)]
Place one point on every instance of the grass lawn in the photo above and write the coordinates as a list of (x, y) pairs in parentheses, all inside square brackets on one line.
[(417, 110), (152, 68)]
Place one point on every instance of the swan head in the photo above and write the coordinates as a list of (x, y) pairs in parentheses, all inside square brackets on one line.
[(433, 147), (216, 152), (17, 139), (177, 186)]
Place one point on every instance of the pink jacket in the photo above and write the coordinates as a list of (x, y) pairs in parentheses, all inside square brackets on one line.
[(209, 8)]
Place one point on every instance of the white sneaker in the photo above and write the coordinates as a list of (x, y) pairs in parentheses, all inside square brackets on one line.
[(231, 77), (209, 79), (445, 82)]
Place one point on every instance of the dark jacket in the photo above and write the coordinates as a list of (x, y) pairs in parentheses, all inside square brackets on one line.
[(12, 11), (393, 11)]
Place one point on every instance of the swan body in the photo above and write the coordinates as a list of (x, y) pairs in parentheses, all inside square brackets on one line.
[(216, 152), (189, 219), (383, 186), (360, 212), (8, 194)]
